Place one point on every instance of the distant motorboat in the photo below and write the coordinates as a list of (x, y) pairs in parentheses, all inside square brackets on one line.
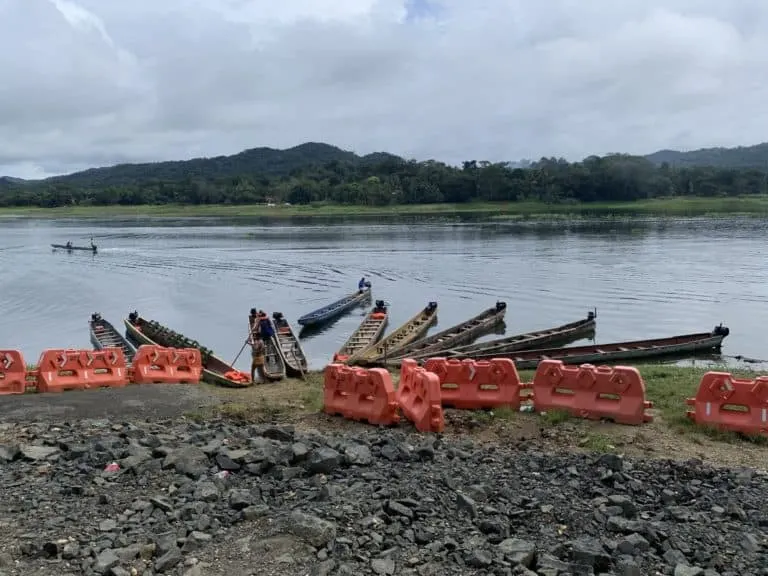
[(71, 248)]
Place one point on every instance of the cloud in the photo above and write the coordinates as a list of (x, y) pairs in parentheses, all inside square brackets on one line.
[(95, 82)]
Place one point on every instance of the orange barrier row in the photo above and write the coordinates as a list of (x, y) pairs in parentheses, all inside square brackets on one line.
[(359, 394), (586, 391), (158, 365), (729, 403), (477, 384), (60, 370)]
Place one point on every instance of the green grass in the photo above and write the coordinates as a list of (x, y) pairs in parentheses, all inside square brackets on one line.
[(679, 206)]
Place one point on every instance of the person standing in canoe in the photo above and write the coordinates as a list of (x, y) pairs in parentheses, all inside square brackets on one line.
[(253, 322), (266, 330), (257, 358)]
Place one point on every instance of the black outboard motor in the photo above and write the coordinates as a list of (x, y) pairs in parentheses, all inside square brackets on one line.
[(500, 306), (721, 330), (277, 316), (133, 317), (431, 306)]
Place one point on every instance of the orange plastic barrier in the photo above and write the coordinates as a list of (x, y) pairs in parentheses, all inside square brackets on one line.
[(360, 394), (729, 403), (158, 365), (13, 372), (477, 384), (60, 370), (615, 393), (419, 397)]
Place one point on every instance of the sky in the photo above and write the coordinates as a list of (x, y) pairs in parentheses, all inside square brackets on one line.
[(88, 83)]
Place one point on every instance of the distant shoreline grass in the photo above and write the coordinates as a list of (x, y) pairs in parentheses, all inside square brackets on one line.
[(665, 207)]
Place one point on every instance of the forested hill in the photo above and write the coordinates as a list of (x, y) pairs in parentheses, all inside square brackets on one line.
[(315, 172), (742, 157), (267, 162)]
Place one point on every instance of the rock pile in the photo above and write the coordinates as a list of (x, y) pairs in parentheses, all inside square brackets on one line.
[(100, 498)]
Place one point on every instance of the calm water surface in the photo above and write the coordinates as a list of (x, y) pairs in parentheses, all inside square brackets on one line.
[(646, 278)]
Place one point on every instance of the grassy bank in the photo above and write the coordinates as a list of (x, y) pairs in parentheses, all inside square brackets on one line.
[(688, 206), (667, 386)]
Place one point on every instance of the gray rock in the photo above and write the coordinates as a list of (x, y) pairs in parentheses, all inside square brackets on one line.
[(323, 460), (168, 560), (225, 462), (312, 529), (479, 559), (105, 561), (633, 544), (189, 460), (33, 452), (518, 551), (107, 525), (207, 492), (590, 552), (685, 570), (466, 504), (8, 453), (358, 455), (239, 499), (383, 566)]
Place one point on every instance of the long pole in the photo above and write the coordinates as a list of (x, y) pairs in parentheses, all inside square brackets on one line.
[(247, 339)]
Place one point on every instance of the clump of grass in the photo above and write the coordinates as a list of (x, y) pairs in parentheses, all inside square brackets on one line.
[(597, 442), (555, 417)]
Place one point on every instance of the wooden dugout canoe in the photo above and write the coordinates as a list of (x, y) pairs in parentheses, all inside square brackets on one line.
[(335, 309), (412, 330), (369, 332), (288, 344), (104, 335), (530, 340), (683, 345), (457, 335)]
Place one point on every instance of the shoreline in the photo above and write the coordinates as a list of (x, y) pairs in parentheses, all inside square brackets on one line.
[(756, 205)]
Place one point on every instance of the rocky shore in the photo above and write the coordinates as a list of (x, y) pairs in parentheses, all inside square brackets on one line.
[(103, 497)]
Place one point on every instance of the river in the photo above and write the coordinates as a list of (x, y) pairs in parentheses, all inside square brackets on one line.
[(646, 278)]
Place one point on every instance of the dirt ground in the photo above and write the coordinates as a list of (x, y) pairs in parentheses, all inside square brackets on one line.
[(299, 402)]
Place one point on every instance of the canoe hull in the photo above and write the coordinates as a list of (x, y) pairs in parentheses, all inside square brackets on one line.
[(409, 332), (291, 351), (104, 335), (684, 345), (369, 332), (457, 335), (211, 376), (335, 309), (274, 364), (538, 339)]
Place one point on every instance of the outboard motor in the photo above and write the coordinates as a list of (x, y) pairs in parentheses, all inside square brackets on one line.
[(133, 317), (277, 316), (431, 306), (721, 330), (500, 306)]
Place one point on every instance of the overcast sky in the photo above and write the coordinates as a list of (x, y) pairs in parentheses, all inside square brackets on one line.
[(96, 82)]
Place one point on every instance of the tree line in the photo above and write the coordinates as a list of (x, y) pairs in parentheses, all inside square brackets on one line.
[(389, 180)]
